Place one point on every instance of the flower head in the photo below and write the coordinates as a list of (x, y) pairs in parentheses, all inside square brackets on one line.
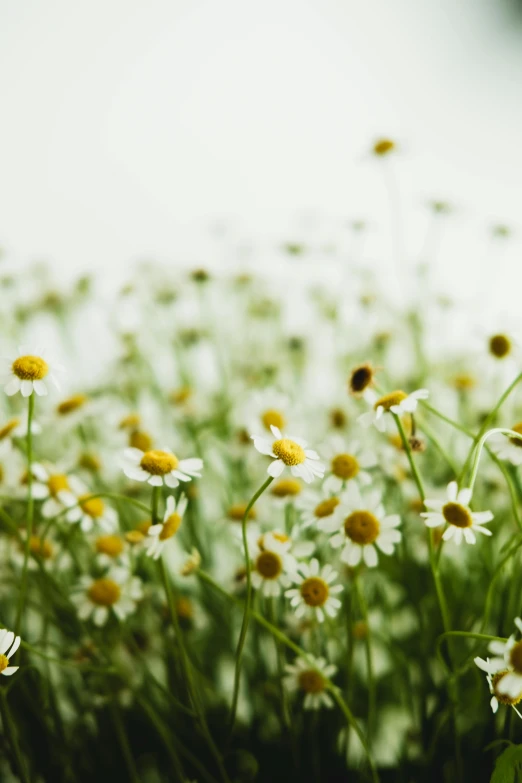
[(159, 534), (29, 372), (158, 467), (9, 644), (116, 592), (315, 594), (455, 512), (397, 402), (274, 561), (310, 676), (505, 668), (289, 452)]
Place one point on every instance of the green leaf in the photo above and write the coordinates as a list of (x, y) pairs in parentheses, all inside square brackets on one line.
[(507, 765)]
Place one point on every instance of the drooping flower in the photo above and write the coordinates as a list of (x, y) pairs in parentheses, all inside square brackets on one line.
[(289, 452), (509, 449), (455, 512), (158, 467)]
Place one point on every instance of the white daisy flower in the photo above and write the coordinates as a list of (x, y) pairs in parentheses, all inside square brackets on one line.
[(267, 408), (456, 513), (17, 428), (315, 594), (117, 592), (310, 677), (314, 507), (110, 550), (284, 491), (274, 560), (54, 487), (493, 680), (8, 640), (289, 452), (397, 402), (158, 467), (28, 371), (348, 462), (507, 662), (509, 449), (159, 534), (87, 509), (361, 526)]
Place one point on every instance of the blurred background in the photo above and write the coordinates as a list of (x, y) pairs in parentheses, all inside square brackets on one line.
[(134, 130)]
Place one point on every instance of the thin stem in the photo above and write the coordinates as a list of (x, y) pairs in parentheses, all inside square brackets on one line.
[(248, 603), (29, 517), (480, 446), (372, 694), (124, 744), (10, 730)]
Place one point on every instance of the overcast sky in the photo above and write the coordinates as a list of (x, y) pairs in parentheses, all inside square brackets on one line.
[(127, 126)]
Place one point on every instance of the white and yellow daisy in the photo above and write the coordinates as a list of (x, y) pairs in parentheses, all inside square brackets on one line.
[(289, 452), (267, 408), (314, 507), (315, 594), (111, 549), (17, 428), (158, 467), (274, 560), (54, 486), (347, 462), (361, 526), (509, 449), (397, 402), (116, 592), (28, 371), (87, 509), (507, 661), (310, 676), (493, 679), (456, 514), (9, 644), (159, 534)]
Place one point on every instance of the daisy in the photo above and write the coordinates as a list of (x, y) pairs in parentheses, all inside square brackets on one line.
[(118, 591), (8, 640), (505, 667), (347, 463), (159, 534), (397, 402), (273, 562), (160, 467), (87, 509), (284, 491), (310, 677), (17, 428), (360, 525), (289, 452), (509, 449), (110, 549), (493, 681), (54, 487), (267, 408), (456, 513), (316, 507), (315, 594), (27, 371)]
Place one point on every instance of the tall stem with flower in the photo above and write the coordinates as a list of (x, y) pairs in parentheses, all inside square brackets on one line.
[(29, 516)]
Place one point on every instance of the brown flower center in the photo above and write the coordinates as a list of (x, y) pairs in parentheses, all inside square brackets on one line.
[(383, 147), (273, 418), (104, 592), (515, 657), (310, 681), (499, 346), (391, 399), (30, 368), (314, 591), (345, 466), (360, 378), (456, 514), (269, 565), (288, 451), (159, 463), (326, 507), (362, 527)]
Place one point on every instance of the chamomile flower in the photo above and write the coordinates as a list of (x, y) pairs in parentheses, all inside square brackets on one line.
[(28, 372), (397, 402), (315, 594), (158, 467), (316, 507), (116, 592), (289, 452), (87, 509), (284, 491), (347, 462), (54, 486), (493, 680), (310, 676), (110, 549), (509, 449), (17, 428), (360, 526), (272, 563), (456, 514), (159, 534), (507, 662), (266, 409), (9, 644)]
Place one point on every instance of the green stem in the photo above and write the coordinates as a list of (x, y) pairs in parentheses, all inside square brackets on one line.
[(30, 509), (372, 694), (480, 446), (124, 744), (10, 731), (167, 738), (248, 603)]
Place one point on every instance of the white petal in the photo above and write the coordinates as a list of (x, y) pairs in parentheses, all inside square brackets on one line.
[(40, 388), (13, 386), (26, 388), (275, 468)]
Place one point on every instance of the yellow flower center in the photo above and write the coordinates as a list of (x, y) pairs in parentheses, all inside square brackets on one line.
[(516, 441), (464, 381), (272, 418), (30, 368), (499, 346), (362, 527), (104, 592), (134, 536), (269, 565), (4, 662), (456, 514), (515, 657), (90, 462), (138, 439), (40, 548), (93, 507), (181, 395), (281, 537), (130, 422), (7, 429), (360, 378), (109, 545), (170, 527), (310, 681), (501, 697), (391, 399), (286, 488), (345, 466), (314, 591), (72, 404), (383, 147), (288, 451), (236, 512), (159, 463), (326, 507), (57, 483)]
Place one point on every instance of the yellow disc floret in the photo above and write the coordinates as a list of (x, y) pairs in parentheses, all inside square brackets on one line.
[(138, 439), (345, 466), (30, 368), (499, 346), (362, 527), (7, 429), (457, 515), (91, 506), (269, 565), (4, 662), (391, 399), (109, 545), (170, 527), (314, 591), (310, 681), (326, 507), (273, 418), (383, 147), (71, 404), (159, 463), (289, 452), (236, 512), (286, 488), (104, 592), (57, 483), (40, 548)]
